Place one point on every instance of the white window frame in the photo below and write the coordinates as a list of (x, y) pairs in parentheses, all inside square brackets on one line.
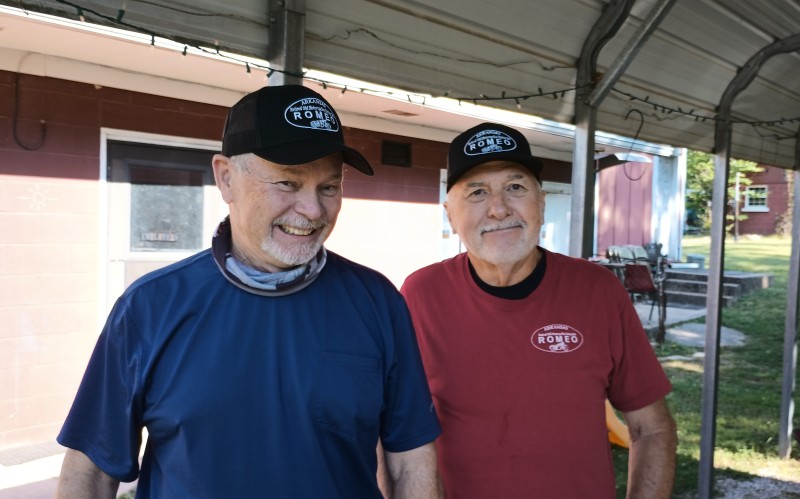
[(757, 207)]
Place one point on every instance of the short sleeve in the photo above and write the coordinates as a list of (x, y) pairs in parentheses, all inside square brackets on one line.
[(409, 419), (638, 379), (105, 419)]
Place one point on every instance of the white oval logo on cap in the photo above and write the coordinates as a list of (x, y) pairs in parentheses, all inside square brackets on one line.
[(312, 113), (557, 338), (489, 141)]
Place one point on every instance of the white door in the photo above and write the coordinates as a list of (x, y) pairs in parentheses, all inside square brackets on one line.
[(451, 243), (555, 230), (163, 206)]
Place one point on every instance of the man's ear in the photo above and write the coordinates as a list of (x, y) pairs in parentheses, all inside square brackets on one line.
[(223, 171)]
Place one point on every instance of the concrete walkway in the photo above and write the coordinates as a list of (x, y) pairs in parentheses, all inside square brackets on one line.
[(675, 315), (691, 334)]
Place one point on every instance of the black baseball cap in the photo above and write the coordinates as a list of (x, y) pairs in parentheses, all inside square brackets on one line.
[(489, 142), (288, 125)]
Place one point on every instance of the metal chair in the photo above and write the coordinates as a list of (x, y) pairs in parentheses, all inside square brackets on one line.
[(639, 281)]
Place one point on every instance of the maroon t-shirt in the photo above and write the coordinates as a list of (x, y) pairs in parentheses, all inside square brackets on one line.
[(520, 385)]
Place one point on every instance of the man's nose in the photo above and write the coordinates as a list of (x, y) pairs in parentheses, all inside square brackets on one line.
[(498, 206), (309, 204)]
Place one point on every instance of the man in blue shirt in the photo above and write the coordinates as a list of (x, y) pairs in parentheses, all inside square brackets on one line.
[(266, 365)]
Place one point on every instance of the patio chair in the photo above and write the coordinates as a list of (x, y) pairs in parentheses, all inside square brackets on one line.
[(624, 254), (638, 280), (612, 253), (638, 252), (654, 253)]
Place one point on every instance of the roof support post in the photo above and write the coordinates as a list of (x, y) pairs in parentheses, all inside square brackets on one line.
[(792, 318), (588, 98), (629, 52), (285, 51), (722, 149), (581, 235), (708, 428)]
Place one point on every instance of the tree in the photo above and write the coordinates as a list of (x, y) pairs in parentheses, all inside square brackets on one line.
[(700, 186)]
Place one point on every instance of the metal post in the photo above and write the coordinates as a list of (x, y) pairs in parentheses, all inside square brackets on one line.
[(581, 233), (286, 41), (581, 238), (613, 74), (722, 148), (708, 421), (792, 320), (736, 209)]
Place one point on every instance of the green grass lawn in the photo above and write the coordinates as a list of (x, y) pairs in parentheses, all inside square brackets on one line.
[(750, 376)]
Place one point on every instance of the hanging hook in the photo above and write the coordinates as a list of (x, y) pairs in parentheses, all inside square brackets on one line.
[(635, 137), (16, 117)]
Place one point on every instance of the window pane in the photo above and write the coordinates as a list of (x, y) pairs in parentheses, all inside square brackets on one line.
[(756, 196), (166, 209)]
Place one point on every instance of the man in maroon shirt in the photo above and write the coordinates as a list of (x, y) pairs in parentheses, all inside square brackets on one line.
[(523, 346)]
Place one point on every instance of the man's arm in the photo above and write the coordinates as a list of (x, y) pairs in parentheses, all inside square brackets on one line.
[(384, 481), (81, 479), (651, 460), (413, 473)]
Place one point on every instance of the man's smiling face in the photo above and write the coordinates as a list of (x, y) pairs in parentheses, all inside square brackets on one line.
[(280, 214), (497, 209)]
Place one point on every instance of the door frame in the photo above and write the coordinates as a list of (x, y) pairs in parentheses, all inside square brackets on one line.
[(106, 295)]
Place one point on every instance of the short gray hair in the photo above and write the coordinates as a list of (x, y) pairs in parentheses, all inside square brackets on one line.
[(242, 161)]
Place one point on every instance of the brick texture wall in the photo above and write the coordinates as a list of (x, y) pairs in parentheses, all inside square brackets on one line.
[(766, 223)]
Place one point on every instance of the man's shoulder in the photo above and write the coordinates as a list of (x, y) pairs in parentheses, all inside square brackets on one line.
[(572, 264), (343, 264), (348, 272), (188, 272), (438, 272)]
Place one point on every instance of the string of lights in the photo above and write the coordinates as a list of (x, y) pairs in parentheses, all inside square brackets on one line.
[(700, 117), (348, 33), (660, 112)]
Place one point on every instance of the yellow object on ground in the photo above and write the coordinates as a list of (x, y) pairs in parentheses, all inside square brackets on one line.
[(617, 430)]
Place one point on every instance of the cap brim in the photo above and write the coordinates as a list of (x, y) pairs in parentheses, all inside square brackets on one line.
[(297, 153)]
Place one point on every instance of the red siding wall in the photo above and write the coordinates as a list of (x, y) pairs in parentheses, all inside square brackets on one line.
[(625, 205), (73, 114), (777, 200), (419, 184), (49, 247)]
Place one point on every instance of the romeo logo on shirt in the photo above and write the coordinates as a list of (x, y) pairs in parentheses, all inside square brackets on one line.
[(557, 338)]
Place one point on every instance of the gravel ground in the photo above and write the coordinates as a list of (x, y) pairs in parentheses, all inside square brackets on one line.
[(757, 488)]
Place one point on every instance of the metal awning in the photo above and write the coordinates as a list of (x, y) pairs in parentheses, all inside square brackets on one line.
[(505, 53), (676, 65)]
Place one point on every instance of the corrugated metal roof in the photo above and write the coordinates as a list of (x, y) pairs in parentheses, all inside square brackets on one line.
[(514, 48)]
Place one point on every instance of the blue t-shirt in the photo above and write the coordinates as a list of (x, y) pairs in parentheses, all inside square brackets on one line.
[(245, 395)]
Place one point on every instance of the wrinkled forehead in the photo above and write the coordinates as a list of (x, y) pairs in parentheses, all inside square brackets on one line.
[(326, 166), (497, 168)]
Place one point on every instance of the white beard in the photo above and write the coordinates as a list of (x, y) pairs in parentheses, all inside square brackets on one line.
[(297, 254)]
